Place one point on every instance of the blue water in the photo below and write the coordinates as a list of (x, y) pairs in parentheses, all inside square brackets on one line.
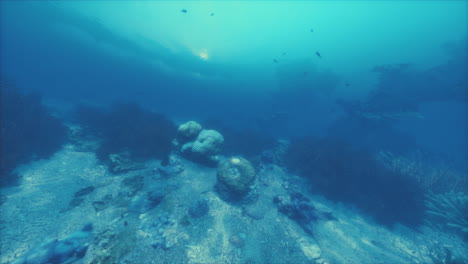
[(377, 76)]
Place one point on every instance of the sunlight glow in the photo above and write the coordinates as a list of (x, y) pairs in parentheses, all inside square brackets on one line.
[(203, 55)]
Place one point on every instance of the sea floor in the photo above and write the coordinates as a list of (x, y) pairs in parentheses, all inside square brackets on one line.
[(58, 196)]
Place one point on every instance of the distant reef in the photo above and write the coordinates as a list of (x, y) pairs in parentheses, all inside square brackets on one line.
[(28, 132), (128, 130)]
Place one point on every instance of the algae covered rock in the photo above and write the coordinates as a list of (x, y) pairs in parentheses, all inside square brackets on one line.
[(235, 178), (197, 144), (68, 250), (208, 143), (188, 131)]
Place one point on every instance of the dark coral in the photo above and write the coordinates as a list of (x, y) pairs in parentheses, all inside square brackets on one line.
[(343, 173), (28, 132), (128, 128)]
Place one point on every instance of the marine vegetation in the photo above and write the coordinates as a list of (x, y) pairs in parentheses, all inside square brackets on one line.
[(432, 172), (448, 211), (346, 174), (28, 132), (129, 130)]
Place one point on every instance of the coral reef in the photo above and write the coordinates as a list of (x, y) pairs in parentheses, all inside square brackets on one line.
[(235, 178), (28, 132)]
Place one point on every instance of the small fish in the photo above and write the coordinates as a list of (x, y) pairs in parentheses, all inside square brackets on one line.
[(212, 14), (311, 30), (305, 73), (275, 60), (284, 53), (347, 84), (183, 10), (318, 54)]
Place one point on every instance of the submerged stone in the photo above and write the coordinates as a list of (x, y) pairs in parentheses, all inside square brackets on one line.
[(67, 250)]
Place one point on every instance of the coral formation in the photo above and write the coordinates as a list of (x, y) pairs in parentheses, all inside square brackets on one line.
[(201, 145), (208, 143), (235, 178), (188, 131)]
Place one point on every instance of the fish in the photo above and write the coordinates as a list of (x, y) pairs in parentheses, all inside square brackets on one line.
[(318, 54), (275, 60), (311, 30), (284, 53), (183, 10), (347, 84), (212, 14)]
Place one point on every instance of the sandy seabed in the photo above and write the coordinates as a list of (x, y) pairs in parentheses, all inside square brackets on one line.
[(45, 206)]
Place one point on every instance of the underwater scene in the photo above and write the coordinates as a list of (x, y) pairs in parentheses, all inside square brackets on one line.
[(234, 132)]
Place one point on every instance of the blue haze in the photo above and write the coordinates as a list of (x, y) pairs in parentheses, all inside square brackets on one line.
[(98, 52)]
